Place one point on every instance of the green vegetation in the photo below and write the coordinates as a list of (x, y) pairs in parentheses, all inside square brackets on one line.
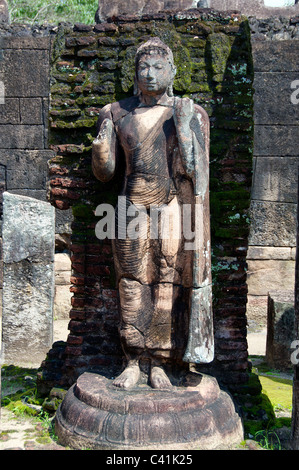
[(52, 12), (267, 409), (19, 395)]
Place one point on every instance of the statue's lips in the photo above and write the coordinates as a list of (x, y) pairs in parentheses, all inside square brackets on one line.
[(151, 84)]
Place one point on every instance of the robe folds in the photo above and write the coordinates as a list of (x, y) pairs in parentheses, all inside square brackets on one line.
[(162, 250)]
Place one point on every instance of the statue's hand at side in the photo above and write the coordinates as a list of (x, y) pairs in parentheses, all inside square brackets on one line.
[(103, 157)]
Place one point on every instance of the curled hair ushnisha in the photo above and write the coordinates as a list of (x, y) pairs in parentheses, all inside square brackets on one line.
[(154, 46)]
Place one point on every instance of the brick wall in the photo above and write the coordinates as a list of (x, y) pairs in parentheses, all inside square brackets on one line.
[(92, 66)]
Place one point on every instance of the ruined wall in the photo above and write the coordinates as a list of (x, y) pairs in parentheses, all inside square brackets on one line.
[(24, 151), (272, 241), (92, 66)]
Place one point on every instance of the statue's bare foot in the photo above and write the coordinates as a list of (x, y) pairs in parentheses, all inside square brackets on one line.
[(159, 379), (129, 377)]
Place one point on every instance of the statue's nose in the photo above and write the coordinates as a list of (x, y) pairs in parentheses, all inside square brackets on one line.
[(150, 74)]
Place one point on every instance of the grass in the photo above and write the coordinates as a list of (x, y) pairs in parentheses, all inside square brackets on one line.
[(279, 391), (53, 11)]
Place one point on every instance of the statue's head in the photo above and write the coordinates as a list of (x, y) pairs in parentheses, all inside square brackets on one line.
[(154, 68)]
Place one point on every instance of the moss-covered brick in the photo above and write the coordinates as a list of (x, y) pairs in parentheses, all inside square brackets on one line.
[(219, 50)]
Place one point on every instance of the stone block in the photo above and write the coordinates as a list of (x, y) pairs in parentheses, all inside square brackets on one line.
[(26, 169), (25, 42), (276, 140), (273, 224), (31, 110), (62, 262), (256, 311), (268, 86), (270, 252), (275, 179), (22, 137), (28, 279), (280, 329), (275, 56), (25, 73), (62, 302), (264, 276), (10, 111)]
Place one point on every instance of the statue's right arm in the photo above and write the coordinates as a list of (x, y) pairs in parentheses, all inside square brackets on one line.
[(104, 147)]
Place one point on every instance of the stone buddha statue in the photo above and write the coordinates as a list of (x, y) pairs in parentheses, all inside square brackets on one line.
[(161, 245)]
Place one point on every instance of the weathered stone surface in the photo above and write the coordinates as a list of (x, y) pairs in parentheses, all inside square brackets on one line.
[(276, 140), (280, 329), (26, 71), (269, 85), (273, 223), (31, 110), (22, 137), (108, 9), (10, 111), (275, 56), (256, 310), (195, 414), (26, 41), (270, 252), (268, 275), (275, 179), (26, 169), (62, 299), (28, 284)]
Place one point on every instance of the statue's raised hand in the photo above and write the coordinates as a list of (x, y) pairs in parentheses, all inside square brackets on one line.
[(183, 112)]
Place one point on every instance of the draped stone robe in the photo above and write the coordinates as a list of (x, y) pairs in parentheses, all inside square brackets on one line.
[(164, 288)]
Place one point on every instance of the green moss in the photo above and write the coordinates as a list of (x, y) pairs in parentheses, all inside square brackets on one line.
[(19, 408), (219, 49)]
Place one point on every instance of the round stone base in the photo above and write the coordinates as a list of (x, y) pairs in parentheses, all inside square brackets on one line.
[(194, 415)]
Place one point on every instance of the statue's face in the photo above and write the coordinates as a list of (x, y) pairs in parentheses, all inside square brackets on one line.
[(154, 74)]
